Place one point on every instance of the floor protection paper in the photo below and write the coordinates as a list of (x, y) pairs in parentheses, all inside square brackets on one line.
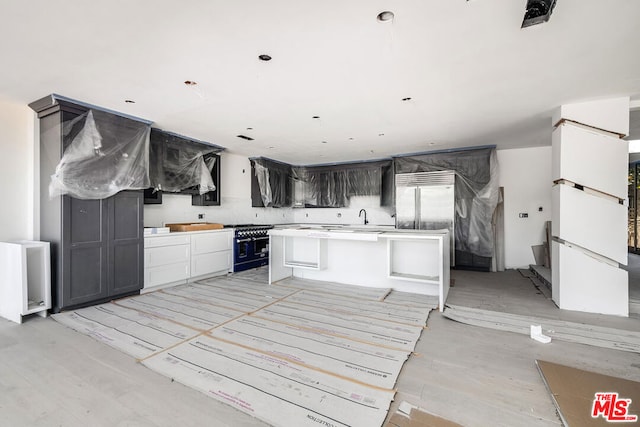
[(288, 355)]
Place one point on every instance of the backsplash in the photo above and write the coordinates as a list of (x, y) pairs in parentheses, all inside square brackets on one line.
[(236, 210)]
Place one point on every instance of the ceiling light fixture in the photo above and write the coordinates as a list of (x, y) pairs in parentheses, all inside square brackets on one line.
[(407, 98), (381, 134), (245, 137), (264, 57), (538, 12), (350, 139), (190, 83), (249, 128), (129, 101), (386, 16), (315, 117), (324, 142)]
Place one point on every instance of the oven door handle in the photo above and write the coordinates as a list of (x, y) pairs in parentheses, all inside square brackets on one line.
[(261, 238), (242, 240)]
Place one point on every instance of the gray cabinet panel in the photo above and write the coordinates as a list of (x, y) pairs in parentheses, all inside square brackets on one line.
[(86, 280), (126, 216), (126, 251), (84, 217), (84, 249)]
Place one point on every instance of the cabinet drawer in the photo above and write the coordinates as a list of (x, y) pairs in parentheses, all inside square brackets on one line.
[(155, 257), (152, 242), (156, 276), (210, 263), (210, 242)]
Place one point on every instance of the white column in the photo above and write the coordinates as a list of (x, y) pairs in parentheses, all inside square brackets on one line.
[(589, 212)]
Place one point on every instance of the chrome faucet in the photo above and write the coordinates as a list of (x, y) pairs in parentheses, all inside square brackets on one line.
[(365, 216)]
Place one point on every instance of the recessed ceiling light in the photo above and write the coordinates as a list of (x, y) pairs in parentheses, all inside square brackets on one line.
[(407, 98), (386, 16), (350, 139), (129, 101), (381, 134), (264, 57), (245, 137), (315, 117), (324, 142), (249, 128), (190, 83), (271, 148)]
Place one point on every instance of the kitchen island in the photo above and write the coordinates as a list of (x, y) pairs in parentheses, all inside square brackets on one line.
[(414, 261)]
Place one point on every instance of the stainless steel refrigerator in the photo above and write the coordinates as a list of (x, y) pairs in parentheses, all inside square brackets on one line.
[(425, 201)]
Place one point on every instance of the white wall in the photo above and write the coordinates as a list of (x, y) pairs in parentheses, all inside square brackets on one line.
[(17, 173), (525, 174)]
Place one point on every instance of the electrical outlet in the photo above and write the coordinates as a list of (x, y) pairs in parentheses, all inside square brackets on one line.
[(523, 215), (200, 216)]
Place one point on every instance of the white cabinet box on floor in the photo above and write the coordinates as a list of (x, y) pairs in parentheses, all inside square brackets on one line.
[(586, 158), (588, 284), (25, 279), (605, 220)]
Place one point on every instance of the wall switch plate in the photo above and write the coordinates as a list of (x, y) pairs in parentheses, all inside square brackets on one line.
[(523, 215), (200, 216)]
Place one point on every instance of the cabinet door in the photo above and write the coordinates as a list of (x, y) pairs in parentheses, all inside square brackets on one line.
[(84, 251), (126, 249)]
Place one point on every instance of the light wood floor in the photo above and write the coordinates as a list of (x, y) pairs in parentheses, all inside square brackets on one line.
[(53, 376)]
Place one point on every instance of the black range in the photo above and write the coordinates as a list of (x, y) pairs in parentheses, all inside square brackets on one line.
[(250, 246)]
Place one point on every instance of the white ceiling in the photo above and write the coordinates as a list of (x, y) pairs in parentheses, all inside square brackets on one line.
[(474, 77)]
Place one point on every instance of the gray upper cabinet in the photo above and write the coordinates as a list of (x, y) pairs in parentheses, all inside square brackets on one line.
[(168, 165), (97, 246)]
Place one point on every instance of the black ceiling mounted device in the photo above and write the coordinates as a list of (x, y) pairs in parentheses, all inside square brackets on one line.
[(538, 12)]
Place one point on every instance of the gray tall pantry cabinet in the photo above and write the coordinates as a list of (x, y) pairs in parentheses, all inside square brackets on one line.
[(97, 246)]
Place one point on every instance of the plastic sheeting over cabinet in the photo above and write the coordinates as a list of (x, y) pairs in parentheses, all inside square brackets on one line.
[(104, 154), (476, 195), (178, 163), (322, 186)]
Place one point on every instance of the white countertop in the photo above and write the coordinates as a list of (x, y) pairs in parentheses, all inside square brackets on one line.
[(365, 233)]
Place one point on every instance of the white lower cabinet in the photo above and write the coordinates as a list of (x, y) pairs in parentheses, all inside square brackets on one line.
[(210, 253), (177, 258)]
